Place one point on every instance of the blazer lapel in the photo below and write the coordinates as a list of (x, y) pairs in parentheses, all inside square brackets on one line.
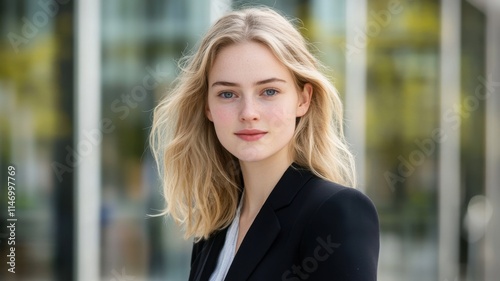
[(257, 241), (266, 225), (209, 256)]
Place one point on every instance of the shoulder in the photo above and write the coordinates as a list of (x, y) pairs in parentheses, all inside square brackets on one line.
[(339, 205), (330, 197), (343, 231)]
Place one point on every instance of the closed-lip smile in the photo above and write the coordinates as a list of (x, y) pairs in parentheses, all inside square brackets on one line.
[(250, 134)]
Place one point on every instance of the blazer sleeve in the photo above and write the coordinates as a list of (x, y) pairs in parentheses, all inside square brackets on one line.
[(342, 240)]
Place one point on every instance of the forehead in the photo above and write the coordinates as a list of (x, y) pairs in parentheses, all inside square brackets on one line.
[(247, 62)]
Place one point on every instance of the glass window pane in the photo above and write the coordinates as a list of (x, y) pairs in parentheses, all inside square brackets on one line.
[(36, 137), (472, 140), (402, 99), (141, 43)]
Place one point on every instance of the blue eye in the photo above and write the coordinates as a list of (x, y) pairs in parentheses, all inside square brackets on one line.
[(226, 95), (270, 92)]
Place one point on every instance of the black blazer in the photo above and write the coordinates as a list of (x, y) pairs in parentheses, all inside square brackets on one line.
[(308, 229)]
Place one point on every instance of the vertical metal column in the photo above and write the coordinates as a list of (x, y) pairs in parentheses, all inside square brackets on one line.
[(355, 98), (492, 93), (88, 140), (218, 8), (449, 152)]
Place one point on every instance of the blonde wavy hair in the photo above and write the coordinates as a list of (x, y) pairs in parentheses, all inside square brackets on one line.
[(201, 179)]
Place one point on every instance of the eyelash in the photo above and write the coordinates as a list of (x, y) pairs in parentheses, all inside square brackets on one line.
[(271, 89), (221, 94)]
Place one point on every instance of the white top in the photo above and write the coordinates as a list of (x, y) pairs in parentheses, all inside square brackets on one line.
[(228, 251)]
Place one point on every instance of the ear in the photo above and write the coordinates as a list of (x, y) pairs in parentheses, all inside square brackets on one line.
[(208, 113), (304, 99)]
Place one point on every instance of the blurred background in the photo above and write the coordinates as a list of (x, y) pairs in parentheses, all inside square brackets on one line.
[(79, 79)]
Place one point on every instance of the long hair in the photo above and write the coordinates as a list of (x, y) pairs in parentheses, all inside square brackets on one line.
[(200, 178)]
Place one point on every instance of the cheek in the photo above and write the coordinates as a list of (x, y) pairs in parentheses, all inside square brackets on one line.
[(282, 117), (221, 116)]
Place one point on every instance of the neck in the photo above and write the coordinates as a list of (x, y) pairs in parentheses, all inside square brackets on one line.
[(259, 179)]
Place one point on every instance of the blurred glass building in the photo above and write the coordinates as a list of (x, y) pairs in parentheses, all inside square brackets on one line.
[(79, 79)]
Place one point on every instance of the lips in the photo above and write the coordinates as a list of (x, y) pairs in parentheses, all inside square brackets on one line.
[(250, 134)]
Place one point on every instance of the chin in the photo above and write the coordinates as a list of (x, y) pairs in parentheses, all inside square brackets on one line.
[(249, 158)]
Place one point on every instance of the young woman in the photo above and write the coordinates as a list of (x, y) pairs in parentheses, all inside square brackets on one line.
[(254, 165)]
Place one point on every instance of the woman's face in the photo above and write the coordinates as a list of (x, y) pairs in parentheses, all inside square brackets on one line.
[(253, 102)]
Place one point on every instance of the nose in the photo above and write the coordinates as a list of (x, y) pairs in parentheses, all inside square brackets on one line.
[(249, 110)]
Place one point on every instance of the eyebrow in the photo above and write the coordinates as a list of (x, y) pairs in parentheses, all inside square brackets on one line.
[(232, 84)]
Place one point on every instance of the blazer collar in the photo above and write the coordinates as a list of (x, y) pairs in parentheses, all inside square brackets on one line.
[(294, 178), (262, 232), (266, 225)]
